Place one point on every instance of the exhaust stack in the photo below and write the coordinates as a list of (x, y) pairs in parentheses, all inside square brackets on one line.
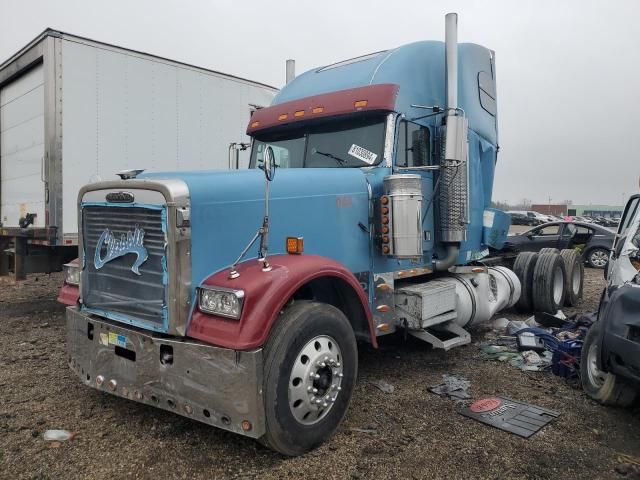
[(453, 197), (291, 70)]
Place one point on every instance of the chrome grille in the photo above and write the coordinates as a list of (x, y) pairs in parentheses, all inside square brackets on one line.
[(114, 289)]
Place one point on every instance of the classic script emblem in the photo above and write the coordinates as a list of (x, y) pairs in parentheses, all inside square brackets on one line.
[(131, 242)]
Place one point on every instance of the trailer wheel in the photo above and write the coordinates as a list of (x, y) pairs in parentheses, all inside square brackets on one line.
[(604, 387), (548, 250), (574, 268), (310, 368), (523, 268), (548, 283)]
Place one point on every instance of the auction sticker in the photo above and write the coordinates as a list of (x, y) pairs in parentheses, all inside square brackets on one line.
[(117, 340), (362, 154)]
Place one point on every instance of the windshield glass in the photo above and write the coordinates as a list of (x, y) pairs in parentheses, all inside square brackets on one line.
[(347, 143)]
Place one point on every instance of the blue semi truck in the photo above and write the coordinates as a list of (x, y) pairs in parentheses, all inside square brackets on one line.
[(368, 190)]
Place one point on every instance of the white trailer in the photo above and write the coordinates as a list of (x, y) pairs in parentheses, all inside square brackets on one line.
[(75, 111)]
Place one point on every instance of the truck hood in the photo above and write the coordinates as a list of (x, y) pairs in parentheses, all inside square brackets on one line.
[(328, 207)]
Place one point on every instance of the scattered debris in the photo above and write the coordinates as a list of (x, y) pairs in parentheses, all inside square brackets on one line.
[(452, 386), (537, 348), (520, 418), (383, 386), (58, 435)]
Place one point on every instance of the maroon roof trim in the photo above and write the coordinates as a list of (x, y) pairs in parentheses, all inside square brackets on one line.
[(378, 97)]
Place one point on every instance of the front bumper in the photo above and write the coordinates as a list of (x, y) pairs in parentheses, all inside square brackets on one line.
[(213, 385)]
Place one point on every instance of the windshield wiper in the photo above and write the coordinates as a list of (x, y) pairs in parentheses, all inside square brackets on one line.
[(339, 160)]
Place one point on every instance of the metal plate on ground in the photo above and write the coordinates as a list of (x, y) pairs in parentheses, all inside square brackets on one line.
[(509, 415)]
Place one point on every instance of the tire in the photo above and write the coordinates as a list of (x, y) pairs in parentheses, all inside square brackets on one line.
[(597, 257), (574, 279), (548, 283), (313, 331), (549, 250), (523, 268), (606, 388)]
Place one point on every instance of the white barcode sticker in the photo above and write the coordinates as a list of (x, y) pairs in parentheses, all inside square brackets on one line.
[(362, 154)]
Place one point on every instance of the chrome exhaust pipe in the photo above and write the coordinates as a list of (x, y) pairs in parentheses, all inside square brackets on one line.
[(291, 70)]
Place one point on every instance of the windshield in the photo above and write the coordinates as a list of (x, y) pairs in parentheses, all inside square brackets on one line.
[(347, 143)]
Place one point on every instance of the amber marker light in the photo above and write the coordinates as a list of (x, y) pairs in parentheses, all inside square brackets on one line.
[(283, 116), (295, 245), (299, 113), (255, 124), (385, 239), (385, 249), (385, 220), (317, 110), (360, 103), (246, 425), (385, 210), (385, 229), (384, 200)]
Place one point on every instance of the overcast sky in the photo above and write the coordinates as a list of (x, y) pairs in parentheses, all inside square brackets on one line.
[(568, 72)]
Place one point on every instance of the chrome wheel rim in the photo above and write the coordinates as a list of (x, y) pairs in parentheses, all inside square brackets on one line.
[(575, 279), (599, 258), (558, 286), (596, 376), (315, 380)]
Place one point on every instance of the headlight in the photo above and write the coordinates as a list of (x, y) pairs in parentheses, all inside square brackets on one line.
[(221, 301), (71, 274)]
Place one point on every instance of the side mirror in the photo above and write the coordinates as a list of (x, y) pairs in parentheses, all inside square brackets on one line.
[(269, 164)]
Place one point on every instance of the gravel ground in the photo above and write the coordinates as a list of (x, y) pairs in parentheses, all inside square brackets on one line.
[(411, 433)]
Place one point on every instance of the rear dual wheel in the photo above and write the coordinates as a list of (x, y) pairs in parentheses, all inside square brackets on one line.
[(548, 283), (574, 268), (310, 368)]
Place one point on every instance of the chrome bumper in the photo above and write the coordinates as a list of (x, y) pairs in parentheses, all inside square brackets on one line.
[(213, 385)]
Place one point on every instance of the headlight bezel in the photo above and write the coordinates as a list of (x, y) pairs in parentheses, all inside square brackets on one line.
[(69, 270), (238, 294)]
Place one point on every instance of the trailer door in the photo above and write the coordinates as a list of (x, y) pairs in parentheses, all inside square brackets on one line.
[(22, 148)]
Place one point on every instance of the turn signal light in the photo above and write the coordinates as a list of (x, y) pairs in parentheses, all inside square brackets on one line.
[(360, 103), (295, 245)]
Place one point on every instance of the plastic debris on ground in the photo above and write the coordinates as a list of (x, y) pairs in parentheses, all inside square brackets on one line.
[(383, 386), (58, 435), (554, 341), (510, 415), (452, 386)]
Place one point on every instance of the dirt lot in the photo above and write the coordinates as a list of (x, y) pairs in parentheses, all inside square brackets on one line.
[(411, 432)]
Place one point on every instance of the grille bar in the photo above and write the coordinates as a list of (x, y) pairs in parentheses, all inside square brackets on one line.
[(114, 287)]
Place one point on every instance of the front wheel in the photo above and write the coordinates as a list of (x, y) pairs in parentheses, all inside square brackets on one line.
[(604, 387), (310, 368), (597, 257)]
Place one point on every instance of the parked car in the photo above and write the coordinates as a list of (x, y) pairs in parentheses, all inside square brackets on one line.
[(595, 241), (519, 218), (610, 363)]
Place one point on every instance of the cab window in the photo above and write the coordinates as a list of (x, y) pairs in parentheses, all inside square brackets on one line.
[(414, 144)]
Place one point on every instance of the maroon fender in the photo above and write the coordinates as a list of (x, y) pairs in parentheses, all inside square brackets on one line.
[(266, 294), (69, 294)]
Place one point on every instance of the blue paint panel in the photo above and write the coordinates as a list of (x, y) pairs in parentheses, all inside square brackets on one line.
[(419, 70), (324, 206)]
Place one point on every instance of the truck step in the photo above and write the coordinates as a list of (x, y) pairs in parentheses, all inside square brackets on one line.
[(445, 336)]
